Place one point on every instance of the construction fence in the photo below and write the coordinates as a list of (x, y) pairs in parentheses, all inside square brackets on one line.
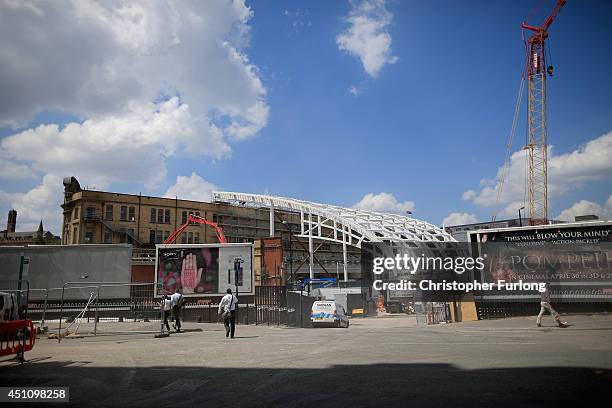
[(101, 303), (276, 305)]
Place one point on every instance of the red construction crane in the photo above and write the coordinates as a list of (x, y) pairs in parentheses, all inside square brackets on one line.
[(535, 74), (195, 219)]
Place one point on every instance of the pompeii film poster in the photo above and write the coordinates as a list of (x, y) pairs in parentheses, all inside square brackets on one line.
[(576, 261), (204, 269)]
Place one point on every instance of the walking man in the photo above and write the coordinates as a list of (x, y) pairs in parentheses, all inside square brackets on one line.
[(227, 306), (545, 305), (177, 302), (166, 306)]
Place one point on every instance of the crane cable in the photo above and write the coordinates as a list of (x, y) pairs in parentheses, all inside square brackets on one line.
[(506, 166)]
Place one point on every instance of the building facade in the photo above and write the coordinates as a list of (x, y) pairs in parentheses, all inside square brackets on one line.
[(100, 217), (10, 237)]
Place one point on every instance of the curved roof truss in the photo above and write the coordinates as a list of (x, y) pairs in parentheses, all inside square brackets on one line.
[(343, 225)]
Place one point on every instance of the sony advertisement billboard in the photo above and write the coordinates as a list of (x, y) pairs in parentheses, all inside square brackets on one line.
[(205, 269)]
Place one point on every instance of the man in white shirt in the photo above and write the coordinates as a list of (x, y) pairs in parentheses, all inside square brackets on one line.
[(165, 306), (177, 302), (227, 307)]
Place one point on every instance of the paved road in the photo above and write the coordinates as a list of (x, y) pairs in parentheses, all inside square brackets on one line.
[(376, 362)]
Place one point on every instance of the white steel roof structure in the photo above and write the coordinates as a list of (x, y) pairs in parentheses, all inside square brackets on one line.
[(343, 225)]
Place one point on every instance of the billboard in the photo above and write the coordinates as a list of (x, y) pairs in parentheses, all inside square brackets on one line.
[(575, 259), (205, 269)]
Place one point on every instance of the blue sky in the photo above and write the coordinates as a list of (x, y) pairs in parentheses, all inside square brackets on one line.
[(426, 122)]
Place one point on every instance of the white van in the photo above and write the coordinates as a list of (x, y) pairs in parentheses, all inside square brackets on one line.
[(328, 313)]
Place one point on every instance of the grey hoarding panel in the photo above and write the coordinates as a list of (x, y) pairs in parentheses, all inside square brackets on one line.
[(53, 265)]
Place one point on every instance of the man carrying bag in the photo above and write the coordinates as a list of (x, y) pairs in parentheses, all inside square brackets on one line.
[(177, 303), (227, 309)]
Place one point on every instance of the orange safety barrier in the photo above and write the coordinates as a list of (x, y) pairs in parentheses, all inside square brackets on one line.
[(11, 337)]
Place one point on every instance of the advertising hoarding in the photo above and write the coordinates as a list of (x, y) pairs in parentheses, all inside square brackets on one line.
[(575, 259), (205, 269)]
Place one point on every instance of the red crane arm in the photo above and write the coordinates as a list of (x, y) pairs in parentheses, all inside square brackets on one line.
[(191, 219), (549, 20)]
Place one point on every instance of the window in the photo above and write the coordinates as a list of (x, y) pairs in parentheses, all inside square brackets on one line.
[(74, 236), (108, 236), (76, 213), (196, 238), (123, 213), (158, 237), (183, 217), (183, 238), (153, 216), (152, 237), (190, 238), (160, 216), (132, 216), (166, 235), (89, 236), (167, 217), (91, 212), (108, 215)]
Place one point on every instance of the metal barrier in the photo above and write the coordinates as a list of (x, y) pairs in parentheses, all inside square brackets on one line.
[(121, 302), (432, 312), (209, 313), (111, 301), (275, 305)]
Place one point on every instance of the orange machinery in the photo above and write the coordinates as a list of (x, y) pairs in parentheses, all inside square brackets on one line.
[(195, 219)]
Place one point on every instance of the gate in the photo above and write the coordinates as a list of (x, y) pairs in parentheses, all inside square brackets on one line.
[(271, 305), (275, 305)]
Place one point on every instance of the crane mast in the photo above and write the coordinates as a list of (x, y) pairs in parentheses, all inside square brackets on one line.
[(535, 75)]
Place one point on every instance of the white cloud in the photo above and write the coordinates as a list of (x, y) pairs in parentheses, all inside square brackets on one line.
[(15, 171), (354, 90), (191, 188), (589, 162), (384, 203), (95, 58), (152, 79), (468, 195), (40, 203), (458, 218), (584, 207), (132, 147), (367, 36), (511, 210)]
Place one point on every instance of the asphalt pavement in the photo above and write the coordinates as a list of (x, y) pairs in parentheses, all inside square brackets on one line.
[(376, 362)]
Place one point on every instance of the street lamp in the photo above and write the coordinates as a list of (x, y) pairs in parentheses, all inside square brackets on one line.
[(521, 218), (286, 223)]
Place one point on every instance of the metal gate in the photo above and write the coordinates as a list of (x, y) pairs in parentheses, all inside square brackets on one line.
[(275, 305)]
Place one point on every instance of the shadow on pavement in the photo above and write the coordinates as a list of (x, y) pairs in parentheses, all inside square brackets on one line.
[(386, 385)]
